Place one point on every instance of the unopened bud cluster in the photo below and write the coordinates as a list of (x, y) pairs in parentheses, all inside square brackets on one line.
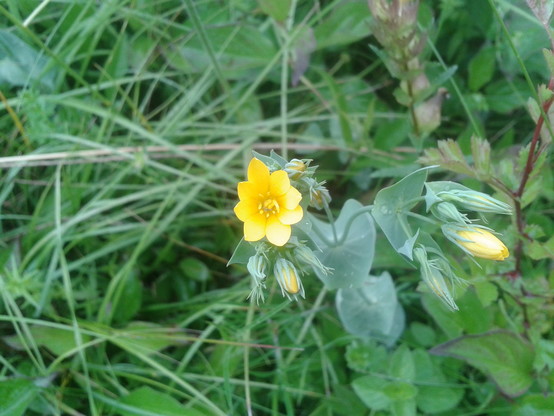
[(476, 240), (286, 264), (447, 203)]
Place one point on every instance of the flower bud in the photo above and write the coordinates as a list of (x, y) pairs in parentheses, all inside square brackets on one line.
[(319, 195), (288, 278), (476, 241), (432, 275), (257, 267), (296, 168), (305, 255), (476, 201), (447, 212)]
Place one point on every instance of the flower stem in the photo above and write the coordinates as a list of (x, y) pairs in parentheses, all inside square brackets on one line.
[(367, 209), (331, 221)]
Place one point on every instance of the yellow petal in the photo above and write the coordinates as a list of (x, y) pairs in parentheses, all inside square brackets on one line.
[(248, 190), (254, 228), (484, 244), (245, 209), (279, 183), (290, 217), (276, 232), (258, 174), (291, 199)]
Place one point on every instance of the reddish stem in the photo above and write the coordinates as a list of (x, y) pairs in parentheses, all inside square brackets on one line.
[(529, 166)]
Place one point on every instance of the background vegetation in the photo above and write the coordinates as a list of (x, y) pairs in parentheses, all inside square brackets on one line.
[(125, 126)]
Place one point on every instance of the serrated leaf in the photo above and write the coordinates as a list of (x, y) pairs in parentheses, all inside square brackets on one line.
[(350, 259), (391, 205), (449, 156), (481, 150), (502, 355), (372, 310)]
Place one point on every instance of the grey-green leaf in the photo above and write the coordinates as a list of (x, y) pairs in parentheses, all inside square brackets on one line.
[(372, 310), (350, 259), (390, 207)]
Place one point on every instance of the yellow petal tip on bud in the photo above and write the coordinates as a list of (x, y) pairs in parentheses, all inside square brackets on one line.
[(478, 242)]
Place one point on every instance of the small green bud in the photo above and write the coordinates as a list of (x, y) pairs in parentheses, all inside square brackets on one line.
[(476, 201), (319, 195), (447, 212), (432, 275), (305, 255), (257, 267), (296, 168)]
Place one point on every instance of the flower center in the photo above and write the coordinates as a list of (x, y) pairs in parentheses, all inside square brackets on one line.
[(268, 206)]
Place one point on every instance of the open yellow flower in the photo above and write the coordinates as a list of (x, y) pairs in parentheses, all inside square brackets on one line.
[(268, 205)]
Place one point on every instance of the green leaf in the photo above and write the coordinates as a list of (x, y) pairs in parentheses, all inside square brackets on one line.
[(502, 355), (15, 396), (403, 408), (146, 337), (400, 391), (434, 395), (504, 98), (346, 24), (370, 390), (372, 310), (350, 259), (535, 405), (277, 10), (391, 205), (195, 269), (146, 401), (239, 49), (21, 65), (481, 68), (472, 317), (58, 341), (402, 364), (243, 251), (129, 300)]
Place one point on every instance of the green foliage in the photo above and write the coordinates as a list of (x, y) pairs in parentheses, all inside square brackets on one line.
[(125, 127)]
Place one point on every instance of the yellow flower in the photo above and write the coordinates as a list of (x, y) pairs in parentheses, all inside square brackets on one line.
[(268, 205), (478, 242)]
